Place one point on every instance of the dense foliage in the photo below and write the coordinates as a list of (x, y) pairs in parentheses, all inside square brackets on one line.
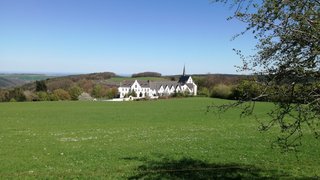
[(288, 57), (41, 86), (62, 88), (146, 74)]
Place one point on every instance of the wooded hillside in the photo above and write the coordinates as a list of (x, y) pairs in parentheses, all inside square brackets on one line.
[(6, 82)]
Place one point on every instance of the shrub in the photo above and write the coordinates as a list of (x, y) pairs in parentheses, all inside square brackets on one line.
[(85, 97), (221, 91), (75, 92), (204, 92), (112, 93), (179, 94), (30, 96), (99, 91), (61, 94), (53, 97), (4, 96), (13, 100), (17, 94), (246, 90), (43, 96)]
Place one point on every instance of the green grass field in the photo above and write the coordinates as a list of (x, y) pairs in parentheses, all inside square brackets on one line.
[(173, 139)]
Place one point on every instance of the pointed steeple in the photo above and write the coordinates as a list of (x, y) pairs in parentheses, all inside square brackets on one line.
[(184, 70)]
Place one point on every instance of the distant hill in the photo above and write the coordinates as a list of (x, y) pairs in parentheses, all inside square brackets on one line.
[(14, 80), (110, 79), (146, 74), (27, 77), (8, 82), (92, 76), (85, 81)]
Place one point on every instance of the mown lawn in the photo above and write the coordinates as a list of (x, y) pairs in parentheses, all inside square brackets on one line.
[(173, 139)]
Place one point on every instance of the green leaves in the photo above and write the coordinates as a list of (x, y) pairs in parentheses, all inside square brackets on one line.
[(288, 56)]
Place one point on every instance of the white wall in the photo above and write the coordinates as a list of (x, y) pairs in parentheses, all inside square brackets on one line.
[(163, 90)]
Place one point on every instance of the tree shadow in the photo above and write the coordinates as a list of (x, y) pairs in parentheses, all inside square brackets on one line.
[(187, 168)]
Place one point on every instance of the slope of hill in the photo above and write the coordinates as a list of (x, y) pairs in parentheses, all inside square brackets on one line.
[(85, 81), (27, 77), (8, 82), (15, 80)]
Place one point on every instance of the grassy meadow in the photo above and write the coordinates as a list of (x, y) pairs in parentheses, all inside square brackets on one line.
[(172, 139)]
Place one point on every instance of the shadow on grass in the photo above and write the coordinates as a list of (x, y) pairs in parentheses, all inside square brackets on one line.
[(187, 168)]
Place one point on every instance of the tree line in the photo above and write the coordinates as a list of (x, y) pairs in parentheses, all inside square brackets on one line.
[(58, 90)]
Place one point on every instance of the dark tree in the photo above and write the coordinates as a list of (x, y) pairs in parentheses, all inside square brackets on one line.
[(41, 86), (146, 74), (288, 59), (17, 94)]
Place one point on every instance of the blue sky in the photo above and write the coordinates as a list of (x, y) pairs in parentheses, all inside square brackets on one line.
[(122, 36)]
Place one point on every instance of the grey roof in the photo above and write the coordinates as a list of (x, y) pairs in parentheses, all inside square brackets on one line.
[(178, 86), (190, 85), (144, 84), (127, 83), (157, 84)]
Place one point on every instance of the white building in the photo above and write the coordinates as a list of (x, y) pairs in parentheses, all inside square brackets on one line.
[(153, 89)]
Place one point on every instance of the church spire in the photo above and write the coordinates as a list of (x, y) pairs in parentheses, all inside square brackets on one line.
[(184, 70)]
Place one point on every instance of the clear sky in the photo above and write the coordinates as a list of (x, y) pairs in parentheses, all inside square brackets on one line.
[(121, 36)]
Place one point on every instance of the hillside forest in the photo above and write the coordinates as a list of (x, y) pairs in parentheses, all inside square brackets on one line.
[(104, 86)]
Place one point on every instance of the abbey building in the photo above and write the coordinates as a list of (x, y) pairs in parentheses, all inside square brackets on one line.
[(152, 89)]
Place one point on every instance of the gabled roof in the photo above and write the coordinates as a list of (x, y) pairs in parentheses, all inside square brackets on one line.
[(190, 85), (127, 83), (183, 79), (144, 84), (157, 84)]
